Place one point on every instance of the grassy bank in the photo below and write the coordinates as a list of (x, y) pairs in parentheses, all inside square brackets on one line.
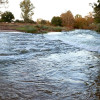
[(40, 28), (32, 28)]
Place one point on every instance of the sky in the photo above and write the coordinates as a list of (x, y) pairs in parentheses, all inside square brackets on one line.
[(46, 9)]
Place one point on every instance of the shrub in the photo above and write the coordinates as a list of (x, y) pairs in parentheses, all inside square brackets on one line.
[(44, 27), (31, 30), (31, 21), (56, 21), (38, 26), (57, 29), (92, 26), (28, 29), (43, 22), (19, 21)]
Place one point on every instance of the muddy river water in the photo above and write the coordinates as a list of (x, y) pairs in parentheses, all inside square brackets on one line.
[(53, 66)]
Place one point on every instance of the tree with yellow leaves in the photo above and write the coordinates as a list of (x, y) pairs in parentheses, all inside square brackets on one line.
[(67, 19)]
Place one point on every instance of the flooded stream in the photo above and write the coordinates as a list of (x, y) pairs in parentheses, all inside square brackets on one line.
[(53, 66)]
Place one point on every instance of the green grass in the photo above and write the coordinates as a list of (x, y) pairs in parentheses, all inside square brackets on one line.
[(57, 29), (39, 28), (28, 29)]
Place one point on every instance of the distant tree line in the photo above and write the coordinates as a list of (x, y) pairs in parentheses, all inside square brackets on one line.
[(91, 21), (68, 20), (26, 8), (65, 19)]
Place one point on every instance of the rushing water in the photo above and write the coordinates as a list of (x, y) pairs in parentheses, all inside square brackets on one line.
[(53, 66)]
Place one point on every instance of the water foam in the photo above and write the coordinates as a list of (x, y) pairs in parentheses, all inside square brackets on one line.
[(85, 39)]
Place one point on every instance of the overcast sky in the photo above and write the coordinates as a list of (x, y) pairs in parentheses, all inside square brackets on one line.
[(46, 9)]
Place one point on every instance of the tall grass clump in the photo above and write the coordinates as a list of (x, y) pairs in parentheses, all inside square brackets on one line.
[(28, 29), (57, 29)]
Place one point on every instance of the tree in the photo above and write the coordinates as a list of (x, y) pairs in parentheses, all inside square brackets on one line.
[(67, 19), (7, 16), (3, 1), (27, 10), (80, 22), (96, 8), (89, 18), (78, 16), (56, 21)]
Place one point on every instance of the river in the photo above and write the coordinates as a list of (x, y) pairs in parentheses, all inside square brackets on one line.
[(52, 66)]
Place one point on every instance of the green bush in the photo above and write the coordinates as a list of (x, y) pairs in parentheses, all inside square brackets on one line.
[(19, 21), (28, 29), (38, 26), (44, 27), (40, 29), (31, 30), (57, 29), (56, 21), (43, 22)]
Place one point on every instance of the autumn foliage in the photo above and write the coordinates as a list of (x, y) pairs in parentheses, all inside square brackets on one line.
[(83, 23), (67, 19)]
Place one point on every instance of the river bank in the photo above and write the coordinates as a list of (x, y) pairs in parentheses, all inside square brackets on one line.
[(37, 28), (31, 28), (8, 30)]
